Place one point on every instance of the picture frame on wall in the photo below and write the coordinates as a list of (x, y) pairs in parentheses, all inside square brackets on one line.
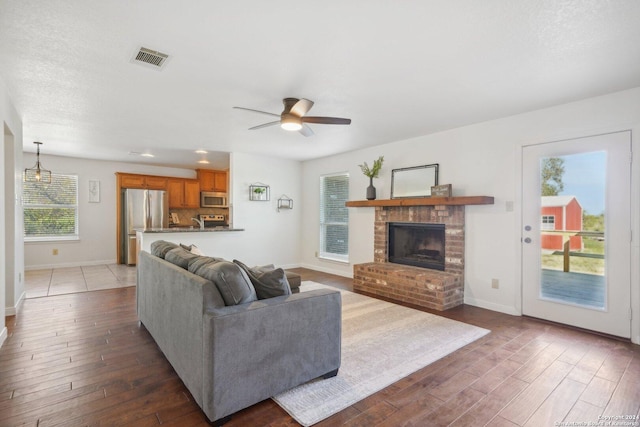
[(259, 192), (414, 181), (94, 191)]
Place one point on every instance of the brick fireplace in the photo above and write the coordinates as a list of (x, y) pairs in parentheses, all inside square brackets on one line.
[(425, 287)]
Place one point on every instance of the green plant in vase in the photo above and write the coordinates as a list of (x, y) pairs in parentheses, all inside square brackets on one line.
[(372, 172)]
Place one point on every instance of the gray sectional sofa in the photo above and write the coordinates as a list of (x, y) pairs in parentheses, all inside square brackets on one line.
[(233, 356)]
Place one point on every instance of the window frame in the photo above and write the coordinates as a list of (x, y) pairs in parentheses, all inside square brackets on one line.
[(545, 225), (75, 206), (322, 224)]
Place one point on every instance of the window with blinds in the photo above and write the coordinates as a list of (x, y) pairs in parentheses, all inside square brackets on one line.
[(51, 210), (334, 217)]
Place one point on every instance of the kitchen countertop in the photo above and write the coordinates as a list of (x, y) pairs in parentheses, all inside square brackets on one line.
[(188, 230)]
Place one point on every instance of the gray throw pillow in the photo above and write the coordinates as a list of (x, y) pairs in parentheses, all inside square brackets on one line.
[(160, 248), (180, 257), (268, 283), (262, 268), (232, 282)]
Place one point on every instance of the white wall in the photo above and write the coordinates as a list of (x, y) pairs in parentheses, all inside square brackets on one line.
[(12, 257), (270, 237), (14, 273), (481, 159), (97, 221)]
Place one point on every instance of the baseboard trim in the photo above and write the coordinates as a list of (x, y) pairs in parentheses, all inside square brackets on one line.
[(328, 270), (69, 264), (288, 266), (13, 311), (3, 335), (492, 306)]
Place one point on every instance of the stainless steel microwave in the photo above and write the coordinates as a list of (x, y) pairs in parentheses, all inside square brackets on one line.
[(210, 199)]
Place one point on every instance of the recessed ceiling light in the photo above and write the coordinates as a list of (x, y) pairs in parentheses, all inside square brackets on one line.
[(204, 161), (137, 153), (201, 151)]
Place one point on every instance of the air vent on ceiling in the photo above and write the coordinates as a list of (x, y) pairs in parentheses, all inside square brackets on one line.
[(150, 57)]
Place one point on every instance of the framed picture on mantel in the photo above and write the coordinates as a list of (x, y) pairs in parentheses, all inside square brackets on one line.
[(443, 190), (414, 181)]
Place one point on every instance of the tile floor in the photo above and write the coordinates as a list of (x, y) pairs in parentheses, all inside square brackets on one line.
[(57, 281)]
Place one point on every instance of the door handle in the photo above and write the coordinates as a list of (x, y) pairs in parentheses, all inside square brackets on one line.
[(527, 240)]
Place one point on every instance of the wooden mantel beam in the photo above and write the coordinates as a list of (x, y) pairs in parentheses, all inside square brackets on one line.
[(423, 201)]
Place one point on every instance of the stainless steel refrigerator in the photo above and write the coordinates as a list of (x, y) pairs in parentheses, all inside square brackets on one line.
[(141, 209)]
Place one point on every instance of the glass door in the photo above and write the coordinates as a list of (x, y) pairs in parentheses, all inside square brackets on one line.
[(577, 232)]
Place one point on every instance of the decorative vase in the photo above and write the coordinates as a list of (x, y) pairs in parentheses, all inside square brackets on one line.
[(371, 190)]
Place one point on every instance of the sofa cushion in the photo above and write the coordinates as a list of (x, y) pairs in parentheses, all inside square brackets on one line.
[(232, 282), (180, 257), (196, 264), (268, 283), (160, 248)]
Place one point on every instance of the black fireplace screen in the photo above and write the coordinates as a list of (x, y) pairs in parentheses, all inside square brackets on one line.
[(417, 244)]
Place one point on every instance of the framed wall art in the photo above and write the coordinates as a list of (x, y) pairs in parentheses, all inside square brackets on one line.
[(259, 192), (94, 191)]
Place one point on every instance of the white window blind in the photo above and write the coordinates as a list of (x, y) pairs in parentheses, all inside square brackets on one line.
[(334, 217), (51, 210)]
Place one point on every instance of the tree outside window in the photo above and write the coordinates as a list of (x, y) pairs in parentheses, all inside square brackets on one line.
[(51, 210)]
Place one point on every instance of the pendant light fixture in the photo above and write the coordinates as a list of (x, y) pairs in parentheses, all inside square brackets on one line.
[(37, 173)]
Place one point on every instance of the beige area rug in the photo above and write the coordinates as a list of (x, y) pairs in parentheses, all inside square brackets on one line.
[(381, 344)]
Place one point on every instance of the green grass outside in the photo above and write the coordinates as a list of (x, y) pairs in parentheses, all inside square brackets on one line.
[(579, 264)]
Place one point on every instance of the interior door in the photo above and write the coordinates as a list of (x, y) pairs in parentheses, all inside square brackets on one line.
[(576, 232)]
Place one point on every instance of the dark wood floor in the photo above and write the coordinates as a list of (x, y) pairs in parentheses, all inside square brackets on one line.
[(84, 360)]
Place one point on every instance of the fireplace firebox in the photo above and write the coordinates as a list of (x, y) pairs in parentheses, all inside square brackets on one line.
[(416, 244)]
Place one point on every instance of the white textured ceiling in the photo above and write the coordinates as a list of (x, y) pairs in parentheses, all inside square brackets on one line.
[(398, 69)]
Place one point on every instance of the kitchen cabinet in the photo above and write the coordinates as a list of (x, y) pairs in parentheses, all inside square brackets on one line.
[(155, 182), (127, 180), (212, 180), (183, 193)]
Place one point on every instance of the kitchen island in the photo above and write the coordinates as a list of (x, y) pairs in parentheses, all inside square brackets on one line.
[(215, 241)]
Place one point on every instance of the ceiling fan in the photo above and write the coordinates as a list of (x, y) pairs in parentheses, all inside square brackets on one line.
[(293, 117)]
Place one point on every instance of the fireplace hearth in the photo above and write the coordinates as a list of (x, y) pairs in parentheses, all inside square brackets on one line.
[(417, 244), (422, 287), (435, 287)]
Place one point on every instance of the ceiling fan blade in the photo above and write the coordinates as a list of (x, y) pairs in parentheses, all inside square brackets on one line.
[(327, 120), (264, 125), (257, 111), (306, 130), (301, 107)]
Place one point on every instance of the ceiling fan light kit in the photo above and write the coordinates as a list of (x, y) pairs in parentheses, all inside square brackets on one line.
[(290, 122), (293, 117)]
